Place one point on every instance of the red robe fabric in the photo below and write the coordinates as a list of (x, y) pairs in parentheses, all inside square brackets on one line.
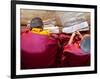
[(74, 57), (37, 51), (41, 51)]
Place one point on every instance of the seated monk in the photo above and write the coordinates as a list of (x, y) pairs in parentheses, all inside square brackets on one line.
[(38, 49), (77, 51)]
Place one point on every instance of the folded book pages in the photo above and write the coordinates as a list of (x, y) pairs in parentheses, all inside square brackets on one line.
[(76, 27), (52, 28)]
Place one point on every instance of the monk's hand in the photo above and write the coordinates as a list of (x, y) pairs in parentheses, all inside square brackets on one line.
[(73, 34)]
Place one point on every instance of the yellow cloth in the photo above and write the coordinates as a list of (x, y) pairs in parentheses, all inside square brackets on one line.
[(40, 31)]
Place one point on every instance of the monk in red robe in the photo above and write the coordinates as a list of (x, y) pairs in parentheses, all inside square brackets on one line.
[(77, 51), (38, 48)]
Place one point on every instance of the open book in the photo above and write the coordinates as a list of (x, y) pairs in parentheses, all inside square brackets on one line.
[(78, 27)]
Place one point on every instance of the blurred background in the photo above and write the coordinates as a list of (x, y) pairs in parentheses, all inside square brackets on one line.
[(58, 21)]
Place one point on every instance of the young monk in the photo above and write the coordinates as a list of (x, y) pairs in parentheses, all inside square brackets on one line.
[(38, 50), (77, 41), (77, 51)]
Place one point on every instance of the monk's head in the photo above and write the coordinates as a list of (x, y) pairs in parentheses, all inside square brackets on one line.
[(36, 23), (85, 43)]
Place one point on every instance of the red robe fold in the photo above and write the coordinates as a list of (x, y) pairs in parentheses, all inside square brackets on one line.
[(74, 56), (37, 51)]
